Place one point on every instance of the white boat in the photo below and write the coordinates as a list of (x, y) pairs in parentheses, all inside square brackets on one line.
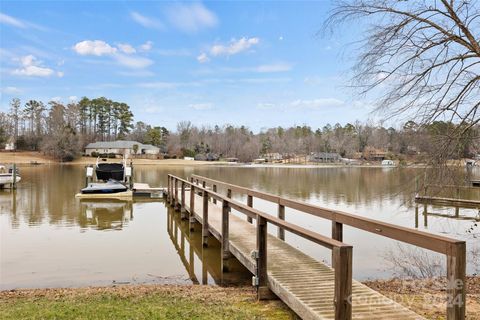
[(6, 175)]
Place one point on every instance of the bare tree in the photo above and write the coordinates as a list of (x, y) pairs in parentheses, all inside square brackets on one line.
[(421, 58)]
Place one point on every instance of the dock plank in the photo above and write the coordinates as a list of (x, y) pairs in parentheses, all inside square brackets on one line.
[(303, 283)]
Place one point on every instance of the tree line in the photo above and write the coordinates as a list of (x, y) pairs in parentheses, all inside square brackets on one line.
[(63, 130)]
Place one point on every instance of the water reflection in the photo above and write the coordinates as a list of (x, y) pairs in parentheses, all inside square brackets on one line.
[(46, 235), (102, 215), (194, 256)]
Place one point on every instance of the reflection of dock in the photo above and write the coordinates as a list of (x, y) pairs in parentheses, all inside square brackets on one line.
[(189, 247)]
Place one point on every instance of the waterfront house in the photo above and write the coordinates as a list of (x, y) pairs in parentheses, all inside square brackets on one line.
[(325, 157), (121, 147)]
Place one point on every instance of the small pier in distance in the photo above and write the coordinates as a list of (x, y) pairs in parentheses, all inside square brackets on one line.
[(312, 289)]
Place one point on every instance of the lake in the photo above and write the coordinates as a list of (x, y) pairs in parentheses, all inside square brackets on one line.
[(48, 238)]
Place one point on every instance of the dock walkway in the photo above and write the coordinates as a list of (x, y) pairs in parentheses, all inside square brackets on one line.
[(303, 283), (309, 287)]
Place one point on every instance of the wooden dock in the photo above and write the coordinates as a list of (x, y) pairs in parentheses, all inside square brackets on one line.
[(311, 288)]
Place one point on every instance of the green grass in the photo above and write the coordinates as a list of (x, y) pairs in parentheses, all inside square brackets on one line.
[(139, 302)]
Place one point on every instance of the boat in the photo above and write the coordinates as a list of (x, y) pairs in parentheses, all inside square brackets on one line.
[(6, 175), (107, 171), (111, 186)]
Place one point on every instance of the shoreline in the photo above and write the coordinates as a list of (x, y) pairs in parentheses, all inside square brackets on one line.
[(426, 297), (23, 158)]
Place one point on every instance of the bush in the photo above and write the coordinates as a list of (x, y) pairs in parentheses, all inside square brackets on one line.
[(94, 154), (111, 155)]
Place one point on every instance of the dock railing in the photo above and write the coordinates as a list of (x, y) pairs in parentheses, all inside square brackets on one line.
[(342, 253), (453, 249)]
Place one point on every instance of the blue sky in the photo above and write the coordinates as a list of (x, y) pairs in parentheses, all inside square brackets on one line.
[(259, 64)]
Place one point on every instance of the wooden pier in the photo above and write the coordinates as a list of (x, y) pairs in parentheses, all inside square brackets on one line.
[(311, 288)]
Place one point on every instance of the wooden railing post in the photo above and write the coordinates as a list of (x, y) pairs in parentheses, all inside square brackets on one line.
[(191, 219), (182, 207), (343, 282), (176, 194), (281, 215), (262, 288), (229, 195), (205, 219), (168, 189), (250, 204), (337, 234), (225, 235), (456, 286), (214, 188)]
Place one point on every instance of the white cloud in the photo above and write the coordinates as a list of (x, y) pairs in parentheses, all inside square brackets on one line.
[(11, 90), (95, 47), (234, 47), (133, 62), (73, 98), (202, 58), (60, 74), (201, 106), (100, 48), (11, 21), (145, 21), (192, 17), (317, 103), (147, 46), (31, 67), (126, 48), (17, 23), (280, 38), (56, 99), (277, 67)]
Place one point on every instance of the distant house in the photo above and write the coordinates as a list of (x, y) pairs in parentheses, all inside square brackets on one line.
[(272, 157), (10, 145), (373, 154), (120, 147), (325, 157)]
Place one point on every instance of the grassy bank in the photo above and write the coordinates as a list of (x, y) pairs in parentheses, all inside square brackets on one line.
[(139, 302), (425, 297)]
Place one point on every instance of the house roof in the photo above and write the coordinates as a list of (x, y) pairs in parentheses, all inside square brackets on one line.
[(119, 144)]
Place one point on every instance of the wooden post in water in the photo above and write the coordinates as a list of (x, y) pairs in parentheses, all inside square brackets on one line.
[(14, 183), (337, 234), (425, 215), (205, 220), (183, 211), (250, 204), (225, 236), (416, 216), (281, 215), (343, 282), (456, 285)]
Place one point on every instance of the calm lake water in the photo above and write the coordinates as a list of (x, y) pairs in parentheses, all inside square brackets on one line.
[(50, 239)]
